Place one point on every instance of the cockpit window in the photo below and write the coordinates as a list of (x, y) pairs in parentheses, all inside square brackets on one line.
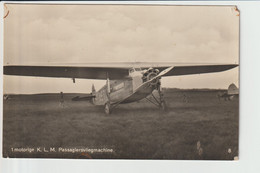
[(131, 70)]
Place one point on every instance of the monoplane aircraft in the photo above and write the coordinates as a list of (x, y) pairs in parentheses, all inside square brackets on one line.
[(125, 82), (231, 92)]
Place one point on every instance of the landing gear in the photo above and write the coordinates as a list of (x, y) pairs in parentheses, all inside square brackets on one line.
[(161, 98), (159, 102), (163, 106), (107, 108)]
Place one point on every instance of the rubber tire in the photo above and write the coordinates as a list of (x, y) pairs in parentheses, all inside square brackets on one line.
[(107, 108), (163, 106)]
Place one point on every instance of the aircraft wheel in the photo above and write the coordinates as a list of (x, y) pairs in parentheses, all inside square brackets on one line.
[(163, 106), (107, 108)]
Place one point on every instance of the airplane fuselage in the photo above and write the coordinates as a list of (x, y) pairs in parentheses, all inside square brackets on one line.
[(117, 90)]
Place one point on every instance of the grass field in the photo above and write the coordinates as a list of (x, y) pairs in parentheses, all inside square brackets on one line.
[(195, 126)]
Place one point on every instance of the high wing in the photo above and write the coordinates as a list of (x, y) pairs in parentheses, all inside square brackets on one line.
[(68, 72), (197, 69), (111, 70)]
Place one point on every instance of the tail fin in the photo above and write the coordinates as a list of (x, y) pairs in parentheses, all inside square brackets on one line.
[(232, 89)]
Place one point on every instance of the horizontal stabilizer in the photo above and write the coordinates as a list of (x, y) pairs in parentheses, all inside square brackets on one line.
[(87, 98)]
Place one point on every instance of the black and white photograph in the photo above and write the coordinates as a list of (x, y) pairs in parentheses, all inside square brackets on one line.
[(114, 81)]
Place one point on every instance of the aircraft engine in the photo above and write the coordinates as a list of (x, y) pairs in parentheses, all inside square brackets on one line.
[(149, 74)]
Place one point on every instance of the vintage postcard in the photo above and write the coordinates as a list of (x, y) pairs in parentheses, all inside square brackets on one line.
[(121, 82)]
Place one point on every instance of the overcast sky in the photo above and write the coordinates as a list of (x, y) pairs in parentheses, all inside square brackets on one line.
[(42, 34)]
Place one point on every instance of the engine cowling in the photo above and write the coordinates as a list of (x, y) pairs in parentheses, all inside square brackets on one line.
[(149, 74)]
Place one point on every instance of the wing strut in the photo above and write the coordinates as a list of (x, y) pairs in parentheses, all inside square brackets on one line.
[(108, 104)]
